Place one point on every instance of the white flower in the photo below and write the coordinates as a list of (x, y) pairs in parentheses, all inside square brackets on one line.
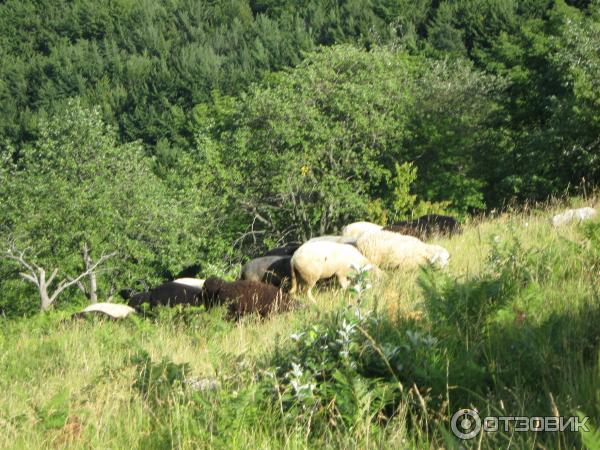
[(296, 336), (296, 370)]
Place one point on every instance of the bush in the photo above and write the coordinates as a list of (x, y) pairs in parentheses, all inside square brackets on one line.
[(352, 367)]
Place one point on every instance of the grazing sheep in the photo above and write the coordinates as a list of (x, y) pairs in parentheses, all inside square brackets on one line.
[(425, 226), (315, 261), (193, 282), (390, 250), (182, 291), (358, 228), (339, 239), (287, 250), (439, 256), (113, 310), (245, 297), (273, 270), (574, 215)]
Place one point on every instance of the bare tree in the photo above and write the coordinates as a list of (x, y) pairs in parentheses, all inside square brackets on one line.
[(37, 274), (91, 290)]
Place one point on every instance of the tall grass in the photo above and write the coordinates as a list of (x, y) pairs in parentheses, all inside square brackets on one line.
[(510, 328)]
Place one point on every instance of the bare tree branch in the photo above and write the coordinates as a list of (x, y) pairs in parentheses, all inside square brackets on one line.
[(51, 278), (37, 275), (65, 284), (31, 278)]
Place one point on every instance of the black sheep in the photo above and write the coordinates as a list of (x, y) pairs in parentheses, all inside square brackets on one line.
[(425, 226), (170, 294), (286, 250), (244, 297), (273, 270)]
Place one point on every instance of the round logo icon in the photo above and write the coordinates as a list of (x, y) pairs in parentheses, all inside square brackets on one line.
[(466, 424)]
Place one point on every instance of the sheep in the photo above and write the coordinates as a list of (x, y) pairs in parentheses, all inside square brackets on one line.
[(574, 215), (357, 228), (425, 226), (113, 310), (273, 270), (390, 250), (351, 240), (438, 255), (287, 250), (244, 297), (182, 291), (193, 282), (315, 261)]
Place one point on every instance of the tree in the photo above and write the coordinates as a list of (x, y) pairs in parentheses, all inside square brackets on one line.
[(76, 194), (313, 148), (37, 275)]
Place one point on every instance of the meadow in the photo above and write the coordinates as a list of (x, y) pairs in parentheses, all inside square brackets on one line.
[(511, 328)]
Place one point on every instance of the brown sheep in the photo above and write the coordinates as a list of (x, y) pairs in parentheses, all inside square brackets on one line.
[(245, 297)]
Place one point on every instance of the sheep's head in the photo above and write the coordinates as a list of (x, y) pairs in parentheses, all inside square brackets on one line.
[(210, 290)]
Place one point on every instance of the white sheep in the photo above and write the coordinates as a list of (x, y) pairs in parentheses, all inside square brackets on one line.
[(114, 310), (574, 215), (390, 250), (438, 255), (315, 261), (192, 282), (339, 239), (356, 229)]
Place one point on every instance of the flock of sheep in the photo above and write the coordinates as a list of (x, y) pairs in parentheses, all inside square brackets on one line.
[(268, 283)]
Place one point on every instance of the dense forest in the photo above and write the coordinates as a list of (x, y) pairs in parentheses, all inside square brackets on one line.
[(187, 131)]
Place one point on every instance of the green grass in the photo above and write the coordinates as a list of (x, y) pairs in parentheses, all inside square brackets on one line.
[(515, 329)]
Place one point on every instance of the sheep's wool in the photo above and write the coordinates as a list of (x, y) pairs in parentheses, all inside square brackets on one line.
[(114, 310), (574, 215)]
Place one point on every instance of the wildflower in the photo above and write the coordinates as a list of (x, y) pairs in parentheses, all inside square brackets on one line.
[(296, 336), (296, 370)]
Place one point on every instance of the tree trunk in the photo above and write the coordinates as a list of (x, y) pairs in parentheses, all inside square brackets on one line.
[(45, 301), (93, 294), (87, 259)]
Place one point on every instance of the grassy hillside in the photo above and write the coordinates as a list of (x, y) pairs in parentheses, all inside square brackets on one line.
[(511, 328)]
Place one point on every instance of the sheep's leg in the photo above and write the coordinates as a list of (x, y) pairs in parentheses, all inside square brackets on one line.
[(294, 287), (309, 292), (343, 280)]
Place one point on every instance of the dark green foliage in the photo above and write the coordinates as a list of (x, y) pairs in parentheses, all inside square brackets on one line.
[(320, 146), (149, 64), (76, 186)]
